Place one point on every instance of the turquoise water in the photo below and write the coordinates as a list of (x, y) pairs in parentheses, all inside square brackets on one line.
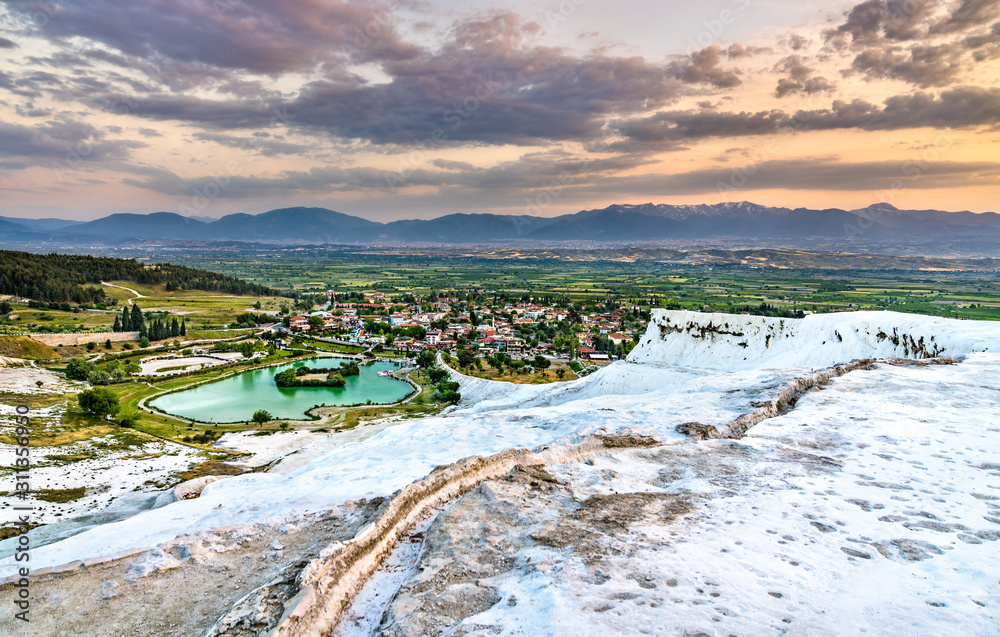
[(235, 399)]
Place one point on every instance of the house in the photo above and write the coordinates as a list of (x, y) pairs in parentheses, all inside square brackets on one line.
[(618, 338), (433, 337), (514, 347)]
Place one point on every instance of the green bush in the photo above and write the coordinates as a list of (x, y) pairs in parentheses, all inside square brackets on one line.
[(99, 377), (128, 417), (99, 401), (78, 368)]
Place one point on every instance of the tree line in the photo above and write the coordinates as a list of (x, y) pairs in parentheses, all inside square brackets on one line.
[(74, 278), (156, 329)]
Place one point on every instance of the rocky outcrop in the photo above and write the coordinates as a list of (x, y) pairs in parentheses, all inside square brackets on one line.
[(327, 584), (789, 395)]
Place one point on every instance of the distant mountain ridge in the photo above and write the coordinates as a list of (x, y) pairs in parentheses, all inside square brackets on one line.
[(620, 222)]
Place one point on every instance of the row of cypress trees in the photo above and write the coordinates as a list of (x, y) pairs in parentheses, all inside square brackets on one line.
[(135, 321)]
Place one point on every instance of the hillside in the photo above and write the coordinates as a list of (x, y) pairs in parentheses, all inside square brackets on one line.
[(616, 223), (74, 278)]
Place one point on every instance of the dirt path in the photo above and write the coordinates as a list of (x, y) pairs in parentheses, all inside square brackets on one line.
[(120, 287)]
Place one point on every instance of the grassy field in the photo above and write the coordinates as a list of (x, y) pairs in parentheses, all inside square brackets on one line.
[(783, 279), (540, 377), (208, 314)]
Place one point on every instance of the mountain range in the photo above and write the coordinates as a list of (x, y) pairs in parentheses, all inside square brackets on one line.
[(616, 223)]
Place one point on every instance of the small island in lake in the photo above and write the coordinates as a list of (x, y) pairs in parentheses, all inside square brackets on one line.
[(317, 376)]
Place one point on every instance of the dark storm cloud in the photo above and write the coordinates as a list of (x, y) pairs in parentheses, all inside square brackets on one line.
[(955, 108)]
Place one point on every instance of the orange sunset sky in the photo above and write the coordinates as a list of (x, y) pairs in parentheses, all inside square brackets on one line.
[(416, 109)]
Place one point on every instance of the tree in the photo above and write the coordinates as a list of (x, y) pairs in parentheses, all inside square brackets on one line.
[(117, 327), (175, 328), (126, 321), (143, 341), (78, 368), (426, 358), (316, 321), (262, 416), (99, 377), (561, 372), (466, 357), (5, 307), (107, 344), (541, 362), (137, 321), (183, 331), (99, 401), (91, 346), (247, 348)]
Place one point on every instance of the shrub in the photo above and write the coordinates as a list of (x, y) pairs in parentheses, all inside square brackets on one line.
[(78, 368), (99, 401), (107, 344), (99, 377), (128, 417), (91, 345)]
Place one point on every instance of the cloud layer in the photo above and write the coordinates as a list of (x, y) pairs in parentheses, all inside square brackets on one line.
[(309, 98)]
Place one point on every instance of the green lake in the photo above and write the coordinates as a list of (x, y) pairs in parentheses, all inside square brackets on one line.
[(235, 399)]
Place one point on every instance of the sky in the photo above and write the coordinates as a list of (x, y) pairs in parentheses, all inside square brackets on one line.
[(415, 109)]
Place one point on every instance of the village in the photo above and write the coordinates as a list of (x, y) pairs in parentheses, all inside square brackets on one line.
[(560, 331)]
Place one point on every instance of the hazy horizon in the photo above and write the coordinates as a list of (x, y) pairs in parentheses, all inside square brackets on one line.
[(395, 109), (557, 213)]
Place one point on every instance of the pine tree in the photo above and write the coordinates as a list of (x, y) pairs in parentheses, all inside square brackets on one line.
[(183, 327), (117, 327), (126, 320), (138, 322), (175, 328)]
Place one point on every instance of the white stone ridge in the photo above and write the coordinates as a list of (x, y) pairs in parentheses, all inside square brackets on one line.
[(728, 342)]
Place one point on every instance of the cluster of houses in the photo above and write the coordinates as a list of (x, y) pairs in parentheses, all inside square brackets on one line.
[(440, 325)]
